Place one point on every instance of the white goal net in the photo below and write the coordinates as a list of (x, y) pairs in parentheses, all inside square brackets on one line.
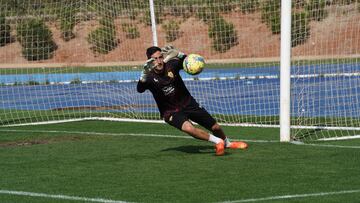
[(64, 60)]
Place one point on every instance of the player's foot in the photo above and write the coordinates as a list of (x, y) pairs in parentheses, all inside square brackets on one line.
[(220, 148), (237, 145)]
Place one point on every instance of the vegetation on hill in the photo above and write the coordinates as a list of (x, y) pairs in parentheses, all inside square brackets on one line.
[(5, 36), (35, 39), (34, 15)]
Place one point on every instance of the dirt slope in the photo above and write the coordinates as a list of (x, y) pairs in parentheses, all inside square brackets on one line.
[(338, 34)]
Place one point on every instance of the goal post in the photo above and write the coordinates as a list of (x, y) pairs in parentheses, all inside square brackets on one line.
[(153, 23), (285, 65), (292, 65)]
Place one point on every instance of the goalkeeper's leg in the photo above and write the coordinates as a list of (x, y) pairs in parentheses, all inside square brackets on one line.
[(203, 118), (201, 134), (217, 130), (181, 122)]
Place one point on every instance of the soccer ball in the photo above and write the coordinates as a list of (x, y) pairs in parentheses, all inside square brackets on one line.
[(193, 64)]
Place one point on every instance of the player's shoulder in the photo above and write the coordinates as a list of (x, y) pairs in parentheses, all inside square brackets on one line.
[(175, 63), (174, 60)]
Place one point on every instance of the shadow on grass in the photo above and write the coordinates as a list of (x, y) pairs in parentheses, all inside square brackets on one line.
[(193, 149)]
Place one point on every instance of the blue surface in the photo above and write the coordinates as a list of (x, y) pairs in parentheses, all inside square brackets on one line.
[(207, 73), (323, 95)]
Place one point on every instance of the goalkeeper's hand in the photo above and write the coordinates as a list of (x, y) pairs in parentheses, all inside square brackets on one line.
[(148, 66), (171, 52)]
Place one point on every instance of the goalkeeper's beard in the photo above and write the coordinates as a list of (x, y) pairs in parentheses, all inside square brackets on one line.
[(159, 68)]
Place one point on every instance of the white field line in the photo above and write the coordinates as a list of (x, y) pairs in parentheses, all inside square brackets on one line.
[(101, 200), (129, 120), (296, 196), (166, 136), (332, 146), (163, 122), (324, 145), (64, 197), (95, 133), (340, 138), (118, 134)]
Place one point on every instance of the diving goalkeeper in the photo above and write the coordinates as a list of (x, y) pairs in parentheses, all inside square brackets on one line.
[(176, 105)]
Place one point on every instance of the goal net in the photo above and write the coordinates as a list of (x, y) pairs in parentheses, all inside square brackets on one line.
[(66, 60), (325, 83)]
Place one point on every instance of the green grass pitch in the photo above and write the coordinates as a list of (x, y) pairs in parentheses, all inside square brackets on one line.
[(139, 162)]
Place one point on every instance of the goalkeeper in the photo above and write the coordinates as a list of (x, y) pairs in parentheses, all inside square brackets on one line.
[(176, 105)]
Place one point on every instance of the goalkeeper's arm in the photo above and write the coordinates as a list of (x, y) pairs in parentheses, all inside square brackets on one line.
[(148, 66), (141, 86)]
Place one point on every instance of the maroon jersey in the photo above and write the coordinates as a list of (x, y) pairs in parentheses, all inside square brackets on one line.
[(167, 88)]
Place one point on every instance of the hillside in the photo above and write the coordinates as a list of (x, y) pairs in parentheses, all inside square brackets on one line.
[(338, 34)]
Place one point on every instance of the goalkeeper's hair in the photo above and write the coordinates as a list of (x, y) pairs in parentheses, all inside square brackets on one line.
[(151, 50)]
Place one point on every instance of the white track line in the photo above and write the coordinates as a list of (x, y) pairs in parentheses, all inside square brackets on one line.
[(118, 134), (65, 197), (294, 196)]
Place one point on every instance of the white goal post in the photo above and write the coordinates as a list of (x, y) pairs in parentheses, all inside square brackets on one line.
[(293, 65), (285, 64)]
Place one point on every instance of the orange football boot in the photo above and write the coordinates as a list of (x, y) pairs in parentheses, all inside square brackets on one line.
[(220, 148), (238, 145)]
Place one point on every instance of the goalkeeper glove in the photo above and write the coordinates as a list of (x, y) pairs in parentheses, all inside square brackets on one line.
[(171, 52), (148, 66)]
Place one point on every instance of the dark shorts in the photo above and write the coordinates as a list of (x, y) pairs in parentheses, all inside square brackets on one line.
[(191, 112)]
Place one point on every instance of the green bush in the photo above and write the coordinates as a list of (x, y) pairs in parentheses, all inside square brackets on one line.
[(249, 6), (105, 9), (220, 6), (17, 83), (132, 13), (9, 7), (344, 2), (299, 4), (275, 23), (316, 9), (103, 39), (172, 30), (36, 39), (179, 8), (76, 81), (131, 31), (32, 82), (205, 14), (300, 31), (68, 22), (223, 34), (270, 15), (47, 82), (5, 31), (268, 9)]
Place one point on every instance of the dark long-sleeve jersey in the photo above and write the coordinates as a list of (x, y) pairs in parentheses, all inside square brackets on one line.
[(167, 88)]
